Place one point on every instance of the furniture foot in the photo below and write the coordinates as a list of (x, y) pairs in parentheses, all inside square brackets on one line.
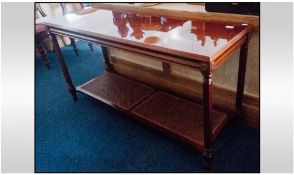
[(73, 93), (208, 158), (74, 45)]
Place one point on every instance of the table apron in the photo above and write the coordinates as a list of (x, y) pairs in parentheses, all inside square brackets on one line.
[(226, 55), (168, 58)]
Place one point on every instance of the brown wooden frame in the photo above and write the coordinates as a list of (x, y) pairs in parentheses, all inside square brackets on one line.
[(206, 65)]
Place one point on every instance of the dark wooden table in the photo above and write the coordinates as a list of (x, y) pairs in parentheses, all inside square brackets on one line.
[(197, 44)]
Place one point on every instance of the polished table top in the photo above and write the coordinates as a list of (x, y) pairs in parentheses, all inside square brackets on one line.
[(203, 39)]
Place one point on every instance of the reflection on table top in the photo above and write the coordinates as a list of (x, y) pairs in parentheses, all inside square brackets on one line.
[(197, 37)]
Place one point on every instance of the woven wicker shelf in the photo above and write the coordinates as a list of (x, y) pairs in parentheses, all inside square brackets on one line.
[(179, 116), (175, 115), (116, 90)]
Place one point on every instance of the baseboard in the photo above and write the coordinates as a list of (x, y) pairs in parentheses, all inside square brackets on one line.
[(224, 99)]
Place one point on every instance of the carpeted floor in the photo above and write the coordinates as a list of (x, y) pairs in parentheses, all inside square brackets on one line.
[(89, 136)]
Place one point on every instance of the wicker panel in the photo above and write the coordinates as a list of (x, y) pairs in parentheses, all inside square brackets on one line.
[(177, 115), (116, 90)]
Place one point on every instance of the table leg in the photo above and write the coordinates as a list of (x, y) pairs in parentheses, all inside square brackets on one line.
[(208, 112), (241, 78), (43, 54), (90, 45), (108, 66), (62, 64), (74, 45)]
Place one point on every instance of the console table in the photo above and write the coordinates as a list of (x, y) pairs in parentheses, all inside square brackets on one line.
[(196, 44)]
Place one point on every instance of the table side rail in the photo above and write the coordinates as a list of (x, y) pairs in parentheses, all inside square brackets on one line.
[(165, 57), (225, 52)]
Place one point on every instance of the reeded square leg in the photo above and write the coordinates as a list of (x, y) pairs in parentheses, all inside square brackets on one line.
[(208, 112)]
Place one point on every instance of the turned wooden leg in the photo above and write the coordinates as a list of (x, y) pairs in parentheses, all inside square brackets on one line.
[(241, 78), (43, 54), (208, 112), (74, 45), (108, 66), (90, 45), (62, 64)]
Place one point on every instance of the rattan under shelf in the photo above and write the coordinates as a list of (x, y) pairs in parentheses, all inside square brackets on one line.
[(116, 90), (175, 115), (181, 117)]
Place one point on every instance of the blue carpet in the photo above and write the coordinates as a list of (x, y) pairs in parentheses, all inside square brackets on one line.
[(89, 136)]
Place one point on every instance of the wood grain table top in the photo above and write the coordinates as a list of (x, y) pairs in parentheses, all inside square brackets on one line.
[(194, 39)]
